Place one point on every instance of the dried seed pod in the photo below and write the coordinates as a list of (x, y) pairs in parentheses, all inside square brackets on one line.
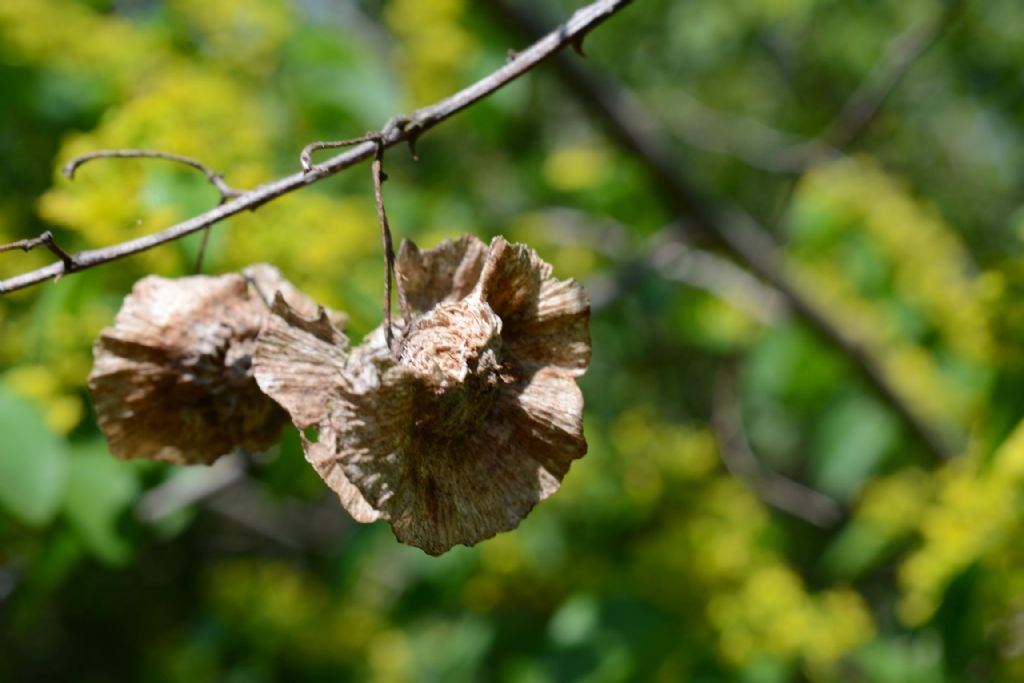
[(476, 420), (172, 379)]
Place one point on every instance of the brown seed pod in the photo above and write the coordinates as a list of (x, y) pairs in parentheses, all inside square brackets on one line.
[(172, 379), (476, 420)]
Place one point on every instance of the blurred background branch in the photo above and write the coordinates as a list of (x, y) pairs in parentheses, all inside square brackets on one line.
[(775, 490), (630, 124)]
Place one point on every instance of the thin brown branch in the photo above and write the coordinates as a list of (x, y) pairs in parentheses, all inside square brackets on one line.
[(628, 122), (774, 489), (403, 129), (44, 240), (216, 179)]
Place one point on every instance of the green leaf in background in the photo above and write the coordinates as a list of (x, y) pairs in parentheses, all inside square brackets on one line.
[(100, 489), (850, 441), (32, 462), (858, 548)]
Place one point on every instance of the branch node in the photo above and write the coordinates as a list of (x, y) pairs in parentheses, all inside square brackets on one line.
[(44, 240)]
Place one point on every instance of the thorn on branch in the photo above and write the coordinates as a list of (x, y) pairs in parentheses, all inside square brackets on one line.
[(577, 45), (44, 240), (413, 138), (216, 179)]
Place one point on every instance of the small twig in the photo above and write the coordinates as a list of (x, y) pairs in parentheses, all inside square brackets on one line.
[(44, 240), (377, 171), (395, 125), (739, 458), (306, 157), (419, 121), (216, 179)]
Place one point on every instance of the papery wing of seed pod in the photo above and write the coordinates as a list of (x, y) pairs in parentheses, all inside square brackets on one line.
[(172, 378), (301, 363), (447, 273), (546, 320), (321, 456), (405, 444), (269, 282), (437, 493)]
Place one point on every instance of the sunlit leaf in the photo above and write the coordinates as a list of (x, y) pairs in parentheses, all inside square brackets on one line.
[(32, 462)]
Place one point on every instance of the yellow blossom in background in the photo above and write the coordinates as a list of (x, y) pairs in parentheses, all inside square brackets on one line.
[(896, 503), (71, 36), (63, 411), (244, 35), (433, 47), (315, 240), (929, 264), (560, 244), (771, 613), (976, 509), (576, 167), (187, 111), (922, 261)]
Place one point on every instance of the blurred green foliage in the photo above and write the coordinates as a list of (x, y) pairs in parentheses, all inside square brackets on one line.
[(653, 562)]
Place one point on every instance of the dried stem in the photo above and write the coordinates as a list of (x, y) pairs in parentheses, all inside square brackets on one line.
[(377, 169), (202, 250), (628, 122), (400, 129)]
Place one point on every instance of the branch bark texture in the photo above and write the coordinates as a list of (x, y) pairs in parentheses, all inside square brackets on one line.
[(399, 129)]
